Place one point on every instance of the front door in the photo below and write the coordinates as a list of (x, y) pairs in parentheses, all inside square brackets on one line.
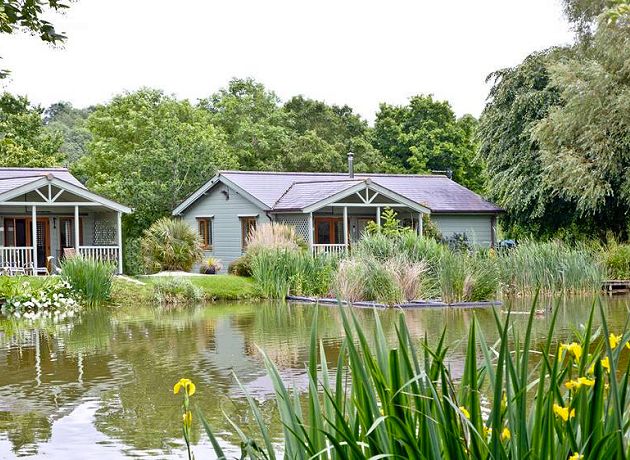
[(328, 230), (18, 233)]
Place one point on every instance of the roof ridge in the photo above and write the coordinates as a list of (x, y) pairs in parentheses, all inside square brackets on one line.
[(24, 168), (307, 173)]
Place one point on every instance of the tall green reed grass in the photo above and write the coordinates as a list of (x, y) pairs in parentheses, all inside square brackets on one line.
[(515, 399), (91, 278), (280, 272)]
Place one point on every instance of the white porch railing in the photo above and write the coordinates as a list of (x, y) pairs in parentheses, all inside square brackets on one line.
[(17, 259), (335, 249), (104, 253)]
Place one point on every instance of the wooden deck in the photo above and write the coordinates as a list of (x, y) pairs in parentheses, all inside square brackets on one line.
[(612, 287)]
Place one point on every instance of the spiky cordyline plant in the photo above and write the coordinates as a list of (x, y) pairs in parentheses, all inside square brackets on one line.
[(402, 402)]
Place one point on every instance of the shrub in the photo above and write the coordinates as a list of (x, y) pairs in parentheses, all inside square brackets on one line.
[(171, 244), (274, 235), (175, 291), (241, 266), (133, 263), (616, 260), (91, 278)]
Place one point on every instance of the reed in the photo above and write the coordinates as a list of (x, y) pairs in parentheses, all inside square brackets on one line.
[(91, 278), (551, 266), (400, 400)]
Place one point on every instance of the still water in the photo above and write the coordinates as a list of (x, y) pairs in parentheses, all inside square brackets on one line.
[(101, 385)]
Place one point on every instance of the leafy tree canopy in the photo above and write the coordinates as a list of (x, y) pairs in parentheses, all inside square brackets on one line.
[(27, 16), (554, 133), (24, 140), (425, 136), (71, 125), (150, 151)]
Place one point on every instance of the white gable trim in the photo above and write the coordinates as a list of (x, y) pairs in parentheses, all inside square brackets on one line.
[(63, 185), (179, 210), (371, 186)]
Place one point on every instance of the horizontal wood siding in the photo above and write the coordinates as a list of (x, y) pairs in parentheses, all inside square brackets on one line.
[(478, 228), (226, 225)]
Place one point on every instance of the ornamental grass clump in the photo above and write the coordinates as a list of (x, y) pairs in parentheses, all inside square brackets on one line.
[(515, 398), (91, 278), (274, 235)]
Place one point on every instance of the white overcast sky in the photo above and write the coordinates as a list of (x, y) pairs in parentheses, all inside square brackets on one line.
[(354, 52)]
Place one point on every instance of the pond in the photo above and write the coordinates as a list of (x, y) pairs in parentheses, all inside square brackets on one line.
[(101, 385)]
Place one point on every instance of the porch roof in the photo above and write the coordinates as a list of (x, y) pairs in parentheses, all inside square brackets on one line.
[(16, 182)]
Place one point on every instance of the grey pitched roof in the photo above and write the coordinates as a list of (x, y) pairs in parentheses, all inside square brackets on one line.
[(302, 194), (437, 192), (11, 178)]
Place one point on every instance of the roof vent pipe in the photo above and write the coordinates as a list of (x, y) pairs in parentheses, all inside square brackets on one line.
[(351, 165)]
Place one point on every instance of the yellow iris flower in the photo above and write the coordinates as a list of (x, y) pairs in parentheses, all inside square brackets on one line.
[(487, 431), (563, 412), (505, 434), (574, 348), (606, 363), (614, 340), (187, 385), (465, 412), (576, 456), (576, 384)]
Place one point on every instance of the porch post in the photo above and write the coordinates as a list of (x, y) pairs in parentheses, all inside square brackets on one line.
[(119, 237), (345, 226), (378, 216), (76, 229), (34, 237), (311, 240), (420, 223)]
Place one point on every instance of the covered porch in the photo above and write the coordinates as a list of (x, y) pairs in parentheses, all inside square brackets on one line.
[(332, 224), (45, 220)]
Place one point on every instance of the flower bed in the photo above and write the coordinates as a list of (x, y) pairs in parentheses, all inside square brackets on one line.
[(54, 299)]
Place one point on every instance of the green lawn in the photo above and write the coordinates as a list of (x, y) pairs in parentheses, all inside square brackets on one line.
[(220, 287)]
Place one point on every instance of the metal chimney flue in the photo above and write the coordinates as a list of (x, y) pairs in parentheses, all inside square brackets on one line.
[(351, 165)]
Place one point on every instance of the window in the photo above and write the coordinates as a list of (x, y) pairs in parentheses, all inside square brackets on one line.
[(248, 224), (66, 232), (204, 225)]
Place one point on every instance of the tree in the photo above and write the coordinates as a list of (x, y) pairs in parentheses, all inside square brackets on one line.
[(71, 124), (323, 135), (150, 151), (585, 141), (253, 122), (27, 16), (519, 98), (424, 136), (24, 141)]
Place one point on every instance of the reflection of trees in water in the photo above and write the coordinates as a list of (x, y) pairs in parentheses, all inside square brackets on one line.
[(25, 431)]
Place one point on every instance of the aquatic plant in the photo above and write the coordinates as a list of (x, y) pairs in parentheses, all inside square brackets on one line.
[(280, 272), (54, 299), (400, 400), (189, 389), (91, 278)]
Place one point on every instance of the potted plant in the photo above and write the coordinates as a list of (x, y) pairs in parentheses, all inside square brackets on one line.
[(211, 266)]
